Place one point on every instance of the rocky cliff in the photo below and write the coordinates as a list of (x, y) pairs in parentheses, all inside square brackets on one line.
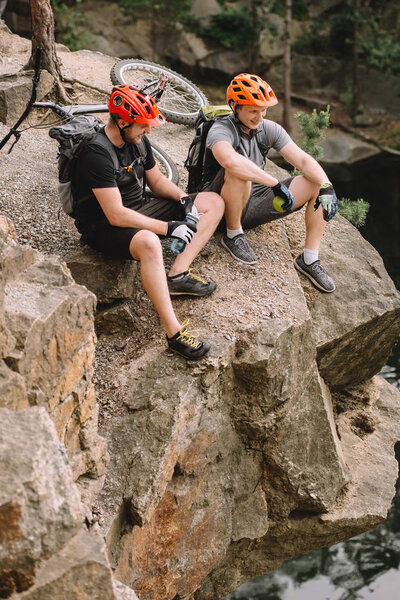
[(279, 442)]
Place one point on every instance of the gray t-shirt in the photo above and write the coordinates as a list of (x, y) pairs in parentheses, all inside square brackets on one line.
[(269, 135)]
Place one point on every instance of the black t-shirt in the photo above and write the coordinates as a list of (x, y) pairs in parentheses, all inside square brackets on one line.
[(95, 169)]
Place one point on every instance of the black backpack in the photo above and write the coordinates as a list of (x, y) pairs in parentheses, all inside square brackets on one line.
[(194, 162), (72, 137)]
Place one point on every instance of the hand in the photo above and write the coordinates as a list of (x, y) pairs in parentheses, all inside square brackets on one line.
[(180, 230), (327, 198), (283, 198), (188, 206)]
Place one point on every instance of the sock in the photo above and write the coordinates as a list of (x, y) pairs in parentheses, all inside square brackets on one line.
[(231, 233), (310, 256), (177, 277)]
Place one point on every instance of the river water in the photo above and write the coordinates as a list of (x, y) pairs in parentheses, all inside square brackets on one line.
[(365, 567)]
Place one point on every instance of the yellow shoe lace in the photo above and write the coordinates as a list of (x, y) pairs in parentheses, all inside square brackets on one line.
[(189, 337), (195, 274)]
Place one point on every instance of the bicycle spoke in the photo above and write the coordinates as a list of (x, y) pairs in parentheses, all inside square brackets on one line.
[(175, 97)]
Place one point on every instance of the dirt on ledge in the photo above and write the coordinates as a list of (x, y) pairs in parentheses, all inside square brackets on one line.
[(29, 199)]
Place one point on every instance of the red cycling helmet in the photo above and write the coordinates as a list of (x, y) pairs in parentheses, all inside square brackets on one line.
[(133, 106), (251, 90)]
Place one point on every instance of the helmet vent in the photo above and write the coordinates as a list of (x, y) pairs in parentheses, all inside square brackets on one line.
[(246, 83), (241, 96), (126, 106), (263, 92), (141, 99), (256, 96)]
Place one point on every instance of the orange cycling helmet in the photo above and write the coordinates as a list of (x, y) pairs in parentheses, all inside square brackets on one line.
[(251, 90), (133, 106)]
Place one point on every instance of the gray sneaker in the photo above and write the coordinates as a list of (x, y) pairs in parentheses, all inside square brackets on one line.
[(239, 248), (315, 273)]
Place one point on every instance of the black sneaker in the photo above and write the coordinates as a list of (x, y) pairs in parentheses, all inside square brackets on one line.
[(240, 249), (316, 273), (186, 344), (192, 284)]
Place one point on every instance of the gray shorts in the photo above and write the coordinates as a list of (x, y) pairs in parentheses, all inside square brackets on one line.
[(259, 208), (115, 241)]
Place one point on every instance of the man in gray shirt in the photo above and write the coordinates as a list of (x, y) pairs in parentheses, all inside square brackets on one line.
[(234, 162)]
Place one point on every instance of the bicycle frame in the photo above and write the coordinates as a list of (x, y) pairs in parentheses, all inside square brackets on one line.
[(71, 110)]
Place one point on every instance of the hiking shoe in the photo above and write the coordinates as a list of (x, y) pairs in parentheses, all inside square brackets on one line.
[(239, 248), (185, 343), (315, 273), (192, 284)]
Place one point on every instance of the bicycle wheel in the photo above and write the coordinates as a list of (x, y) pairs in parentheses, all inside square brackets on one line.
[(165, 164), (181, 99)]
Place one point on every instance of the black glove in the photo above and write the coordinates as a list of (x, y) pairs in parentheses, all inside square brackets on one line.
[(328, 199), (181, 230), (188, 206), (283, 198)]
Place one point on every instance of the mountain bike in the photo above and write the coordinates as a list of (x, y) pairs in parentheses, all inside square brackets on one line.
[(39, 115), (180, 99)]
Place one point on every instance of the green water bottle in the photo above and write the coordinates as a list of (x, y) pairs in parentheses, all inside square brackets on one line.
[(178, 246)]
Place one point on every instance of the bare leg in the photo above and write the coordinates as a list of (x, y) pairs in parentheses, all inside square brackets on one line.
[(212, 206), (235, 193), (146, 247), (305, 191)]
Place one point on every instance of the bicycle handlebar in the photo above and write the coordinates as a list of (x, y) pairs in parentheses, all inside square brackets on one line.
[(72, 109)]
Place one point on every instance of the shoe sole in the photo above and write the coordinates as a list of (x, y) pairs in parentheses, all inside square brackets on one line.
[(189, 357), (245, 262), (313, 281), (192, 293)]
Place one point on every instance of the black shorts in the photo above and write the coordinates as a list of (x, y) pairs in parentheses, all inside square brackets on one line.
[(115, 241), (259, 208)]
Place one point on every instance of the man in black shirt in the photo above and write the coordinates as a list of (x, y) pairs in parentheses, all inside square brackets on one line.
[(115, 217)]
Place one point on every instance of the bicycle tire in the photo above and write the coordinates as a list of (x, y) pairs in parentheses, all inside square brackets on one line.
[(180, 102), (167, 165)]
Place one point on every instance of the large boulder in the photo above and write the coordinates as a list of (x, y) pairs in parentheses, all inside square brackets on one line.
[(40, 509), (110, 279), (356, 327), (46, 324)]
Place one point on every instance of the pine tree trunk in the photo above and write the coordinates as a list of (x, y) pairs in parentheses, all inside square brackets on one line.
[(43, 37), (356, 86), (287, 67)]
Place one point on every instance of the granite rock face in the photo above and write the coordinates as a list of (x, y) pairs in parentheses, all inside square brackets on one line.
[(257, 453), (46, 326), (46, 552), (356, 327)]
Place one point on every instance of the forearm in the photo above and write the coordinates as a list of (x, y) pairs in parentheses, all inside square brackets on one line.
[(313, 171), (126, 217), (244, 168), (164, 188)]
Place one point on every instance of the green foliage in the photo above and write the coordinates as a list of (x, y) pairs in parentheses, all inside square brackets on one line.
[(332, 34), (382, 52), (354, 211), (69, 22), (393, 138), (232, 28), (165, 13), (313, 129), (300, 9)]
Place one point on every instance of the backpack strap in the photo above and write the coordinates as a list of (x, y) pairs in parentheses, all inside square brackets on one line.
[(100, 139)]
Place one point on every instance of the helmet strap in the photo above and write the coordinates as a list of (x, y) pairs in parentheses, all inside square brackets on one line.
[(122, 130)]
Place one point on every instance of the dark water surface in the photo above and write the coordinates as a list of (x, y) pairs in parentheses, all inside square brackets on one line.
[(365, 567)]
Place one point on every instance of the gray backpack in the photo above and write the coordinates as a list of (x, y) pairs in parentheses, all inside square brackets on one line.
[(72, 137)]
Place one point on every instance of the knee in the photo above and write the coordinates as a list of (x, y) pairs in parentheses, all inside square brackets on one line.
[(210, 202), (231, 181), (146, 244)]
